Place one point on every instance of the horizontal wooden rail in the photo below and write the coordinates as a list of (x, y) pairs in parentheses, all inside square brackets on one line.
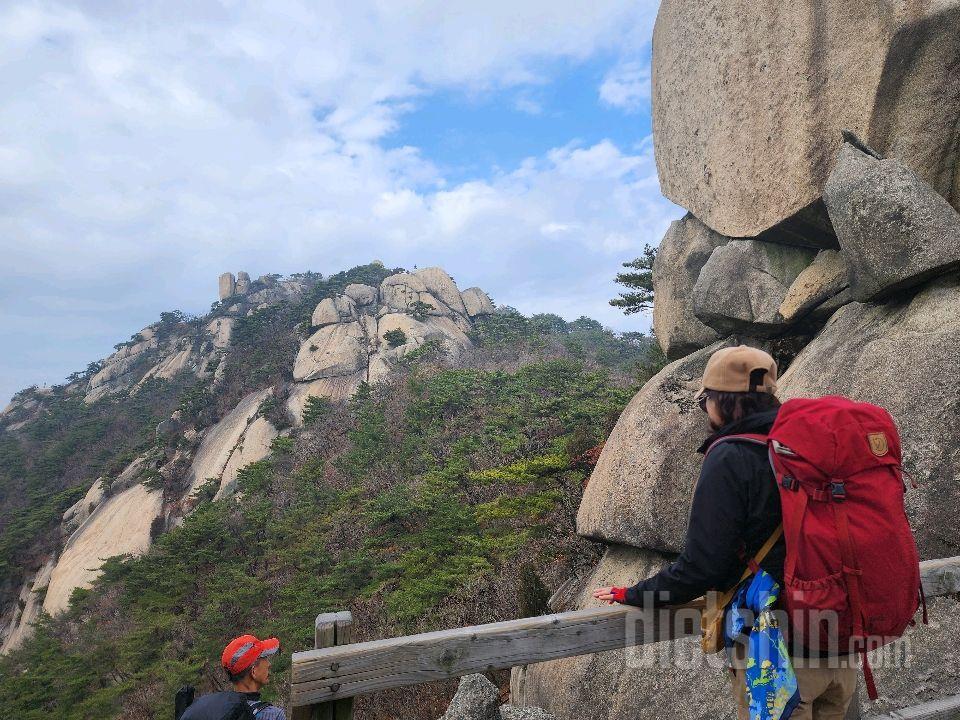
[(359, 668), (946, 708), (336, 672)]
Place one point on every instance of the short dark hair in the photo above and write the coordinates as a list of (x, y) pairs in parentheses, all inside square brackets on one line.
[(734, 406), (237, 677)]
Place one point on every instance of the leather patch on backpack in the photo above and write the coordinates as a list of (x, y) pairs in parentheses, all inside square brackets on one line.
[(878, 443)]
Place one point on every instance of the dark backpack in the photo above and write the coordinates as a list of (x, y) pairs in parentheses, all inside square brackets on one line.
[(228, 705)]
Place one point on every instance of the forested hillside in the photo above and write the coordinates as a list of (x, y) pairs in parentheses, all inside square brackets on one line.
[(443, 494)]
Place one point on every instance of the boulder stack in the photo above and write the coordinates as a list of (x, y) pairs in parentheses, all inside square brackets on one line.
[(840, 259), (361, 335)]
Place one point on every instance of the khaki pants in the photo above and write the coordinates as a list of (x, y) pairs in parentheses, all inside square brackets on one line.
[(825, 692)]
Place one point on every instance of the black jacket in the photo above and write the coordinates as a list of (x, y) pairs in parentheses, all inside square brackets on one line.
[(736, 507)]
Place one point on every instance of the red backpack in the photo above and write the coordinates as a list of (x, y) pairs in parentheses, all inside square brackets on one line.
[(849, 548)]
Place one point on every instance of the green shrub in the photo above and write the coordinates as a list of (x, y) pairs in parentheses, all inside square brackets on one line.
[(419, 310), (395, 337), (315, 409)]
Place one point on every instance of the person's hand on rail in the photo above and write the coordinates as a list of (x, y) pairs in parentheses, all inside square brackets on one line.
[(611, 594)]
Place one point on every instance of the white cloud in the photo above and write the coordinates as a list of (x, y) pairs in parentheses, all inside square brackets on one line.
[(147, 147), (627, 86), (528, 106)]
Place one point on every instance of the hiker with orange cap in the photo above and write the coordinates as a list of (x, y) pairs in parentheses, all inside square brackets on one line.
[(246, 660)]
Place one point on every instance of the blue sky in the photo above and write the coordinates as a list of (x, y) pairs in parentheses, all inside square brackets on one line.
[(471, 135), (146, 148)]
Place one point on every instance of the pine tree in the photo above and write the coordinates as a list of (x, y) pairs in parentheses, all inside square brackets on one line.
[(640, 282)]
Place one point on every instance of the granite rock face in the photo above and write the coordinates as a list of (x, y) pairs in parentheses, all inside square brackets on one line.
[(640, 491), (15, 627), (749, 99), (161, 353), (672, 679), (894, 229), (901, 355), (238, 439), (334, 310), (477, 698), (120, 525), (361, 294), (443, 288), (681, 256), (743, 284), (76, 514), (333, 351), (243, 283)]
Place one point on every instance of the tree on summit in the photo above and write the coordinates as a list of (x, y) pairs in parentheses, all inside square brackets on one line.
[(640, 283)]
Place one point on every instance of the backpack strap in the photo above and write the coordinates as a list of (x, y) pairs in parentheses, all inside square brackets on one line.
[(755, 438), (257, 706), (851, 576), (753, 566)]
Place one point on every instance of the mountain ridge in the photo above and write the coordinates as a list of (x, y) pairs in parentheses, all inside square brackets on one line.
[(225, 406)]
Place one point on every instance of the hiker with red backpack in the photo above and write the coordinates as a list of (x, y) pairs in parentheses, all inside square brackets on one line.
[(808, 497)]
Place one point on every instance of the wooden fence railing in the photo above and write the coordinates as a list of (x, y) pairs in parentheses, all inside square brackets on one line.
[(325, 678)]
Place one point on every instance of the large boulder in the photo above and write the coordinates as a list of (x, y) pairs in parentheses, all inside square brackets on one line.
[(671, 679), (749, 98), (442, 287), (361, 295), (893, 228), (823, 279), (903, 356), (743, 284), (477, 302), (640, 491), (228, 285), (681, 255), (476, 699), (334, 310), (332, 351), (398, 292)]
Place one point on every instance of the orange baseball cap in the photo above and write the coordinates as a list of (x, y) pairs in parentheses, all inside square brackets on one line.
[(729, 370), (241, 652)]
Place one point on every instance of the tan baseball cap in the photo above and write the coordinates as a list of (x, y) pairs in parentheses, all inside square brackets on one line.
[(728, 370)]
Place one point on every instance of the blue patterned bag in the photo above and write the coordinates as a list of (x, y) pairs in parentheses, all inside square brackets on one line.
[(771, 681)]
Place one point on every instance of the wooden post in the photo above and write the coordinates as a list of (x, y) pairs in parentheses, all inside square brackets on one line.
[(330, 629)]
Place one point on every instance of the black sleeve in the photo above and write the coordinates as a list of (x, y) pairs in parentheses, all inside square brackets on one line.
[(714, 534)]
